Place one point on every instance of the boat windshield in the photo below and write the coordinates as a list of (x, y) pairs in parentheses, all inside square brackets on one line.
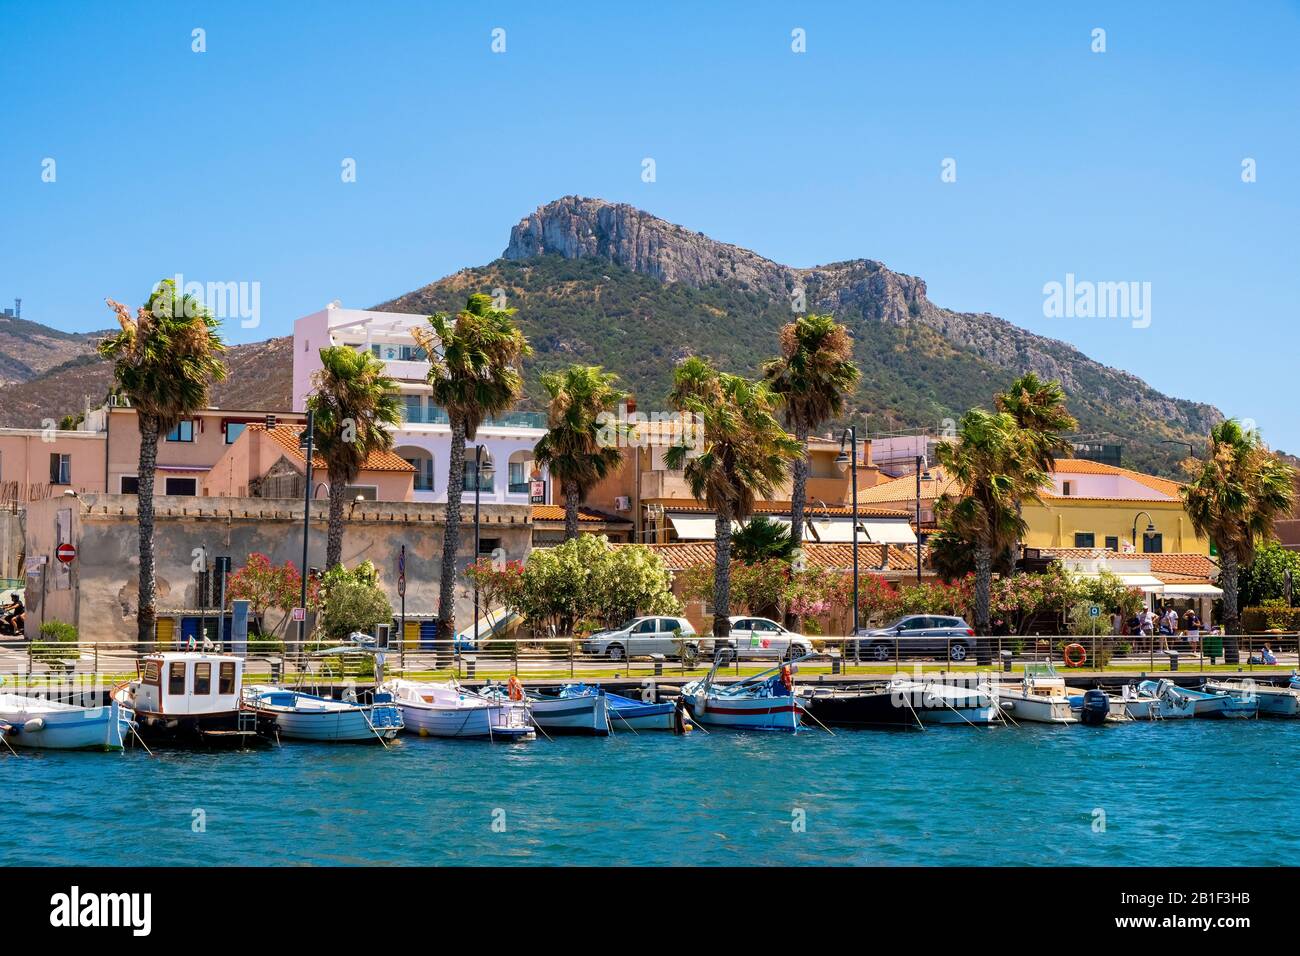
[(1039, 669)]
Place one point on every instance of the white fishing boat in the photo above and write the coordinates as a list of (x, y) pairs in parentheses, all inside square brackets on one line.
[(1156, 700), (765, 701), (1039, 697), (51, 725), (302, 716), (1272, 700), (189, 698), (445, 709), (1208, 703), (582, 710), (936, 702)]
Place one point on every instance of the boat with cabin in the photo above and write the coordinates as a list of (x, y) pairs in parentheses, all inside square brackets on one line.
[(42, 724), (446, 709), (192, 698), (1039, 697), (302, 716)]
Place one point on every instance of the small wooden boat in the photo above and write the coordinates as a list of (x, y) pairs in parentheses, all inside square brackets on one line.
[(445, 709), (1039, 697), (577, 709), (1156, 700), (624, 713), (1273, 701), (51, 725), (765, 701), (192, 698), (302, 716)]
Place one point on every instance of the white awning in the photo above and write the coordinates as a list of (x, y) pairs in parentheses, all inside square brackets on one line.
[(889, 532), (1144, 582), (1192, 591), (693, 529), (837, 532)]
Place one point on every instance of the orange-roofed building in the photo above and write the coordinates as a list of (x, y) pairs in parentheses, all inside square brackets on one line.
[(268, 463)]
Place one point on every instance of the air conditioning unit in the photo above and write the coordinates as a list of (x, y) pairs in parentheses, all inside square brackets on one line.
[(622, 503)]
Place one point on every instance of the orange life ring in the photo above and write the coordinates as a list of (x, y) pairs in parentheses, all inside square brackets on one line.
[(515, 689), (1073, 661), (787, 678)]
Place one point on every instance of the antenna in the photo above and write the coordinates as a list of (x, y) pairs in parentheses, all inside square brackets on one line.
[(18, 308)]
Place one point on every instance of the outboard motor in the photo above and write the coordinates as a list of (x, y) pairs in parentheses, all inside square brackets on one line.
[(1096, 708)]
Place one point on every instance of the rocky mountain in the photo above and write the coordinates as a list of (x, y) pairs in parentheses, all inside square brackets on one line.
[(29, 349), (607, 283)]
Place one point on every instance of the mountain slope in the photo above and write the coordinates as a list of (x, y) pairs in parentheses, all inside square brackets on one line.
[(602, 282), (29, 349)]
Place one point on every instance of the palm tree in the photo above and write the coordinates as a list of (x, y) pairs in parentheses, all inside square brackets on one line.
[(762, 539), (353, 402), (164, 360), (743, 455), (811, 377), (1038, 407), (1234, 497), (580, 448), (474, 373), (994, 463)]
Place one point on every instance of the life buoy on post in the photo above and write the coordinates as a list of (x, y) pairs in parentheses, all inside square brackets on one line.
[(515, 689), (1074, 655)]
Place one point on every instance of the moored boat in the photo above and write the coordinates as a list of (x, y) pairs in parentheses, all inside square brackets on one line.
[(576, 709), (51, 725), (1156, 700), (445, 709), (624, 713), (192, 698), (303, 716), (1039, 697), (765, 701), (1219, 704), (1272, 700), (937, 702)]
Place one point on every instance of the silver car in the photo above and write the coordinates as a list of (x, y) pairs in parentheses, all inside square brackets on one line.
[(642, 636), (929, 635)]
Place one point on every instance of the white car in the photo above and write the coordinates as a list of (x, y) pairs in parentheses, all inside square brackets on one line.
[(756, 638), (641, 636)]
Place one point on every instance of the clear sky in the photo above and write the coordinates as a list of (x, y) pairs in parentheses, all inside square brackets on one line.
[(1118, 166)]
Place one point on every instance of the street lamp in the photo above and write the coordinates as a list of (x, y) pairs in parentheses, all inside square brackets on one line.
[(306, 441), (850, 461), (1191, 452), (482, 469), (920, 467), (1151, 529)]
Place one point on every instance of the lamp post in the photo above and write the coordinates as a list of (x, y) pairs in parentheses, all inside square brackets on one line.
[(851, 461), (1151, 529), (305, 441), (1191, 452), (920, 467), (482, 468)]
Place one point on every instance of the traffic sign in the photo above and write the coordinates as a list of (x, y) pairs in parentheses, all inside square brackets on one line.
[(1094, 611), (299, 614), (66, 553)]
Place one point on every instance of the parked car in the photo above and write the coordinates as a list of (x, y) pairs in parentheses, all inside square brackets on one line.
[(756, 638), (915, 634), (641, 636)]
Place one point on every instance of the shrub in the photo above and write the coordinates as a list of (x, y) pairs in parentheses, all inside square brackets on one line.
[(57, 646), (352, 601)]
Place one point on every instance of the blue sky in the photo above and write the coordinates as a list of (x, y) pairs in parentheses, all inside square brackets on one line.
[(1116, 166)]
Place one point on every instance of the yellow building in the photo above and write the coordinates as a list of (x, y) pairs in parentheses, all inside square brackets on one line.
[(1089, 505)]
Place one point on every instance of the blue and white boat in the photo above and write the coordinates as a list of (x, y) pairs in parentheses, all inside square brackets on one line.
[(765, 701), (624, 713), (1207, 703), (445, 709), (302, 716), (51, 725), (1272, 701), (1156, 700)]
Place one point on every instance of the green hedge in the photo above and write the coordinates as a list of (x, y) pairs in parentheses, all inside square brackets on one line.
[(1277, 617)]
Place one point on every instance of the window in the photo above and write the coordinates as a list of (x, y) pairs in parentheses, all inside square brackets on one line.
[(365, 492), (413, 408), (518, 481), (1085, 539), (184, 431), (180, 486), (645, 627), (490, 545), (1112, 542), (176, 678), (60, 469), (226, 678), (234, 430), (203, 678), (470, 470), (1153, 543), (130, 485), (423, 473), (1067, 488)]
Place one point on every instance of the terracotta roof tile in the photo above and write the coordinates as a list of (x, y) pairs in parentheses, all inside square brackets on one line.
[(286, 436), (838, 557), (811, 511), (556, 513)]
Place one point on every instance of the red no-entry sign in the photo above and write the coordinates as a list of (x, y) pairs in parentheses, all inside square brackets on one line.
[(67, 553)]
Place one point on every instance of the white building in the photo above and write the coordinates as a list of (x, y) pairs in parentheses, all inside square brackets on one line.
[(424, 439)]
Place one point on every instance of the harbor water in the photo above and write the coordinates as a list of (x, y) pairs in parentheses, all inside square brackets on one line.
[(1152, 794)]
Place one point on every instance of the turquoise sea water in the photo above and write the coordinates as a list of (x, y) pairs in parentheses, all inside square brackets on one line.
[(1190, 792)]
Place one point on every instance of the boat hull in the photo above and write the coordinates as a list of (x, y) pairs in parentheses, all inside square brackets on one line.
[(359, 725), (745, 713), (1223, 706), (1038, 710), (1271, 701), (482, 722), (641, 717), (584, 714), (81, 728), (219, 730)]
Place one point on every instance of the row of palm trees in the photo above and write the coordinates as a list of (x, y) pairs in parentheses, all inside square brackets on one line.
[(168, 354)]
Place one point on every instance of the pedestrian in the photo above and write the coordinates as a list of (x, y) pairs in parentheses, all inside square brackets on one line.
[(1116, 622), (1267, 656)]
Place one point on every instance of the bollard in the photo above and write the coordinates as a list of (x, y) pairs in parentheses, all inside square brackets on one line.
[(835, 663), (470, 662), (659, 664), (1006, 661), (1173, 660), (276, 669)]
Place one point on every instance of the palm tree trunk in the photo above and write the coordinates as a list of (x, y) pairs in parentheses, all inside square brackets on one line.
[(722, 576), (799, 490), (570, 511), (1228, 569), (146, 613), (334, 537), (983, 587), (451, 539)]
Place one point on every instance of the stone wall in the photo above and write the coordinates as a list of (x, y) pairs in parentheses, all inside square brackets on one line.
[(98, 593)]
